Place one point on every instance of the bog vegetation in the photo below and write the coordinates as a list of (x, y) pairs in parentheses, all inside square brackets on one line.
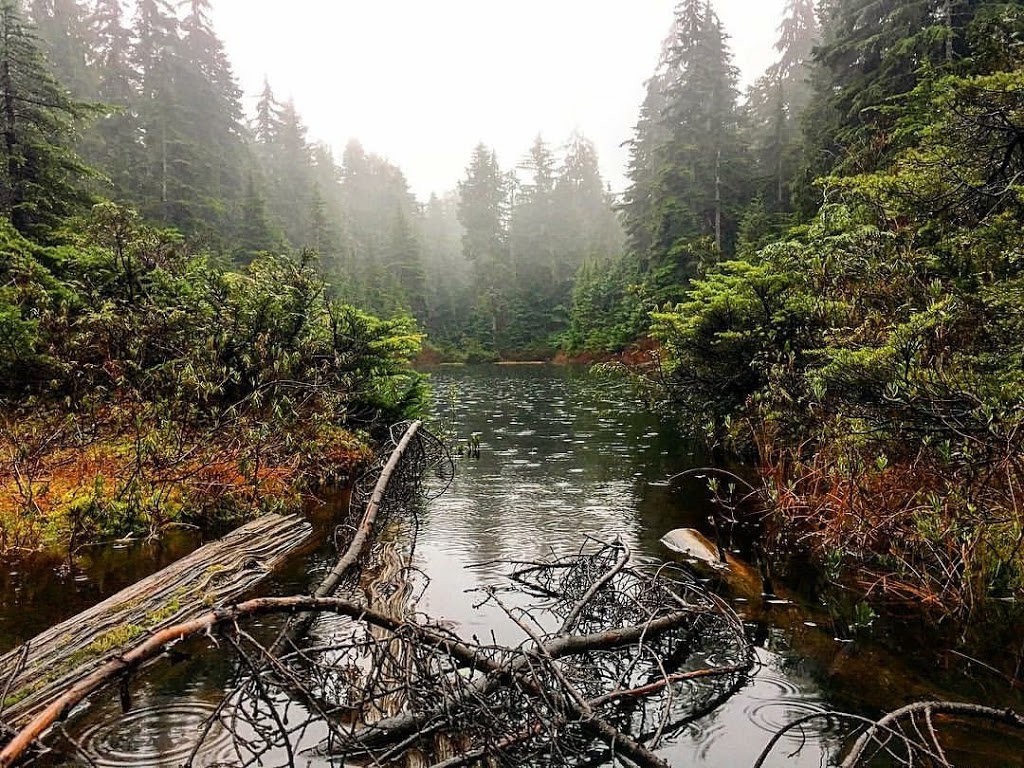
[(200, 309), (853, 321)]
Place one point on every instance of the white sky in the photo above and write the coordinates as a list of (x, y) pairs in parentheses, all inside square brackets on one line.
[(423, 81)]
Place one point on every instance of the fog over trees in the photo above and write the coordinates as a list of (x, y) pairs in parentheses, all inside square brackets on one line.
[(168, 135), (207, 310)]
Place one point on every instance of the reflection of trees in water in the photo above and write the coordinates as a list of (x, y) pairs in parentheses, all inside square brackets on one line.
[(565, 455), (613, 656)]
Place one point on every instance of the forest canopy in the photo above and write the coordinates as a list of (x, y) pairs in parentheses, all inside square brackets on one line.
[(826, 264)]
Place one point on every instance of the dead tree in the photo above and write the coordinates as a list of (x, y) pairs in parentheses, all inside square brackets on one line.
[(623, 659), (909, 736), (616, 654), (216, 573)]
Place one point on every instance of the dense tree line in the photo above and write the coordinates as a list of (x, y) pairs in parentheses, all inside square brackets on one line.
[(168, 136), (181, 361), (526, 235), (179, 282), (829, 263), (834, 268), (712, 172)]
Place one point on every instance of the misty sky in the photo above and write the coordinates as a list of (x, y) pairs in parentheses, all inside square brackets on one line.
[(423, 81)]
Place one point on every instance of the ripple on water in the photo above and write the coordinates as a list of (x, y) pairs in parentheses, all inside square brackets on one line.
[(773, 701), (160, 735)]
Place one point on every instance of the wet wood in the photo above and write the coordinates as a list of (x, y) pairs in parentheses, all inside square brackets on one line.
[(215, 574), (694, 545), (62, 666), (356, 549), (366, 527)]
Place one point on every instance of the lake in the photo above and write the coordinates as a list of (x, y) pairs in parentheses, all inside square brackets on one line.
[(565, 459)]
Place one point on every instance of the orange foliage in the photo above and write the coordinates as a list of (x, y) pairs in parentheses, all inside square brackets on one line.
[(45, 490), (909, 531)]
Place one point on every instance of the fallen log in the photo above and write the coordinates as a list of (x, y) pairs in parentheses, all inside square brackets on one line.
[(444, 683), (154, 644), (695, 546), (924, 742), (35, 674), (357, 547)]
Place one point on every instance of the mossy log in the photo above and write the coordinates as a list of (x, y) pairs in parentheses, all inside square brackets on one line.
[(218, 573)]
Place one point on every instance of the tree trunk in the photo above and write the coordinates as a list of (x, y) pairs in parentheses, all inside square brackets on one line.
[(212, 575)]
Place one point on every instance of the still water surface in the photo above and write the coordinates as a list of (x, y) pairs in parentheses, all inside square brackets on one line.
[(563, 457)]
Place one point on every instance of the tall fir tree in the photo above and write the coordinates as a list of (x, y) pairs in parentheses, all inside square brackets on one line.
[(41, 174), (484, 215), (62, 26), (532, 222), (445, 266), (379, 232), (255, 232), (114, 144), (873, 53), (267, 121), (189, 112), (589, 227), (533, 244), (326, 214), (155, 61), (211, 101), (639, 203), (288, 159), (776, 103), (690, 181)]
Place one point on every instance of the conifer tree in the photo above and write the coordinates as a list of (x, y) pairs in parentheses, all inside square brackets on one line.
[(288, 161), (113, 145), (776, 103), (639, 202), (62, 26), (689, 180), (267, 121), (40, 174), (589, 228), (445, 266), (532, 221), (155, 59), (211, 104), (326, 219), (484, 215), (255, 232), (378, 232), (190, 120), (873, 53), (533, 241), (405, 265)]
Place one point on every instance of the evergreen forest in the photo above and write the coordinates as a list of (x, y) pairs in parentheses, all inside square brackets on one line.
[(822, 273)]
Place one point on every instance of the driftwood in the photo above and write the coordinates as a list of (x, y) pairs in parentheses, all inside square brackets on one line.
[(121, 664), (908, 736), (617, 655), (624, 637), (47, 677), (357, 547), (624, 664), (694, 546), (219, 572)]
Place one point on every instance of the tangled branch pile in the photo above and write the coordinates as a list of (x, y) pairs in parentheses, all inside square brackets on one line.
[(614, 656)]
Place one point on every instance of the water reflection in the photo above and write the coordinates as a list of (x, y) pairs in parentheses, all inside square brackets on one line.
[(563, 459), (45, 588), (560, 459)]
